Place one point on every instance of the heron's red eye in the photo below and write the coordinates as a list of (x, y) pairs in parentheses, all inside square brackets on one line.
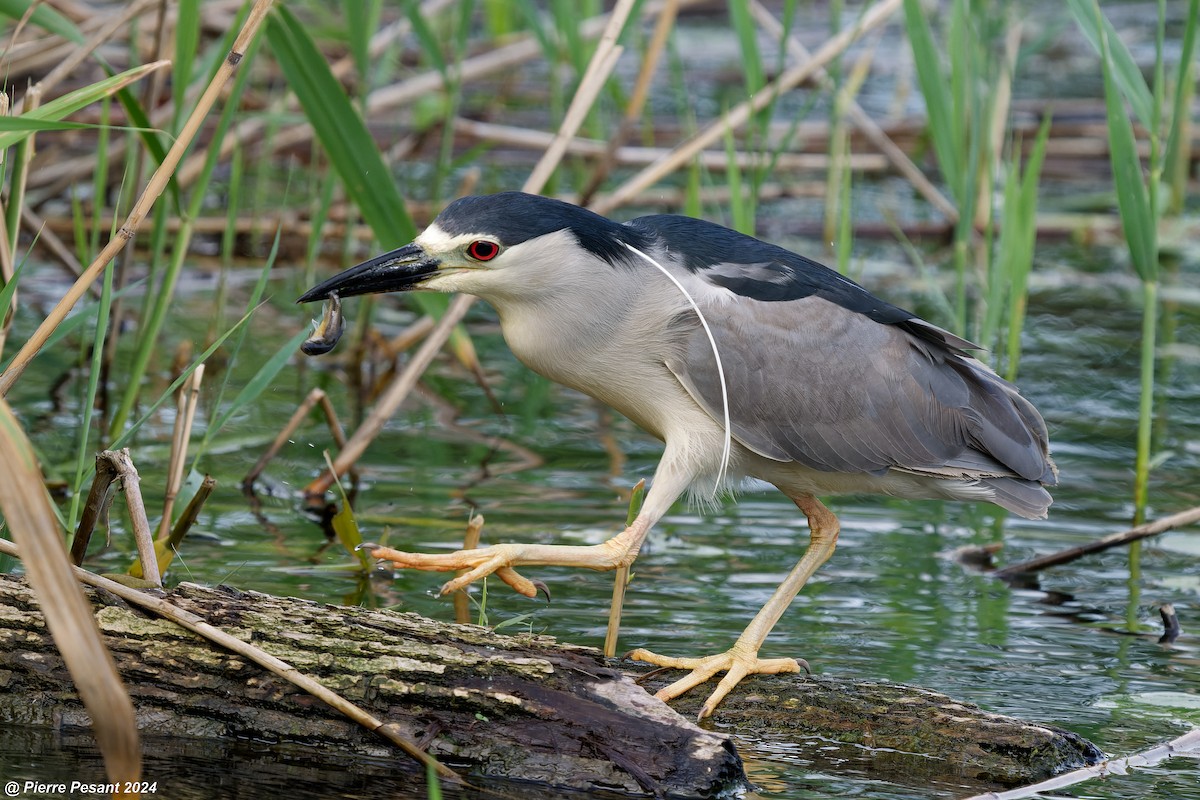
[(483, 250)]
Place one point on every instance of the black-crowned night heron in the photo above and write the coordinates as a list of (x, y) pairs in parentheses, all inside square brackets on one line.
[(744, 358)]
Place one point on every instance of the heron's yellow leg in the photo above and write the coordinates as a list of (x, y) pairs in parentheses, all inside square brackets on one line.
[(742, 659), (501, 559)]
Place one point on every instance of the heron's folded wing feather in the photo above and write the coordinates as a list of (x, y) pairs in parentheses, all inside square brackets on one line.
[(813, 382)]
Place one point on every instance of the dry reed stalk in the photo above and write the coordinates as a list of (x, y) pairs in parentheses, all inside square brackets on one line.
[(462, 603), (601, 65), (532, 139), (108, 26), (185, 415), (276, 666), (131, 483), (1001, 102), (34, 527), (740, 114), (158, 182), (637, 99), (871, 129), (1186, 745), (249, 130)]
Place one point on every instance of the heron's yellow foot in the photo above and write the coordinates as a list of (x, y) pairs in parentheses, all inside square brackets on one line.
[(735, 662), (500, 559)]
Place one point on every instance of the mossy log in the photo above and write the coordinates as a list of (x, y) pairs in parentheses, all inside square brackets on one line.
[(495, 707)]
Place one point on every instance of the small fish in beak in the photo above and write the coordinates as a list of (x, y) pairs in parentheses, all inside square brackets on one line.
[(329, 329)]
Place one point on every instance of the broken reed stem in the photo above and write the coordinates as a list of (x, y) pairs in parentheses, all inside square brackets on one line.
[(462, 602), (637, 496), (94, 508), (740, 114), (276, 666), (620, 584), (189, 395), (131, 482), (155, 187), (1149, 529), (191, 513)]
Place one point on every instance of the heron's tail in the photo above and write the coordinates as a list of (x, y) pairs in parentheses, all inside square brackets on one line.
[(1027, 498)]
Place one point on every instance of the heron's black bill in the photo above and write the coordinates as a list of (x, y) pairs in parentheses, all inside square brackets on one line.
[(391, 272)]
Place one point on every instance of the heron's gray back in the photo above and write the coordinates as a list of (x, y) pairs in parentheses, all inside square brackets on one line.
[(815, 383)]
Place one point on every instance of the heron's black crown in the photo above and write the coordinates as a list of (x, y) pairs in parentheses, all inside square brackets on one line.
[(516, 217)]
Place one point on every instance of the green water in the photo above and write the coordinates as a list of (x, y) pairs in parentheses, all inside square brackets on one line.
[(1079, 651)]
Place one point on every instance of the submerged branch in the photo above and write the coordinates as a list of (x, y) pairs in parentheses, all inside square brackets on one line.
[(1113, 540)]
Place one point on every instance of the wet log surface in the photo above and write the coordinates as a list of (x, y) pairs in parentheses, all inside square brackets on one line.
[(496, 708)]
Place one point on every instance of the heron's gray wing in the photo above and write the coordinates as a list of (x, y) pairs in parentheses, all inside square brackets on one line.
[(814, 382)]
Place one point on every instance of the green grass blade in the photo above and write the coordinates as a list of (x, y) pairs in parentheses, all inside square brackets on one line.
[(128, 433), (1018, 237), (262, 379), (362, 20), (430, 43), (935, 89), (1178, 149), (89, 399), (1133, 199), (747, 36), (341, 130), (1125, 72), (187, 40), (71, 102), (44, 17), (22, 124)]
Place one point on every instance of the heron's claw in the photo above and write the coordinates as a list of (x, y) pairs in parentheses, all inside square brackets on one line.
[(735, 663)]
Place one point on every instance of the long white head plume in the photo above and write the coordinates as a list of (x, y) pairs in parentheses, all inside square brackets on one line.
[(728, 443)]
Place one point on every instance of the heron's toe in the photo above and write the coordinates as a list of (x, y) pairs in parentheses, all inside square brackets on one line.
[(735, 663)]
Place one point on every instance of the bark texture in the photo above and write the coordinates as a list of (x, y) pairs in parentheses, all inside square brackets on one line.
[(521, 708)]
